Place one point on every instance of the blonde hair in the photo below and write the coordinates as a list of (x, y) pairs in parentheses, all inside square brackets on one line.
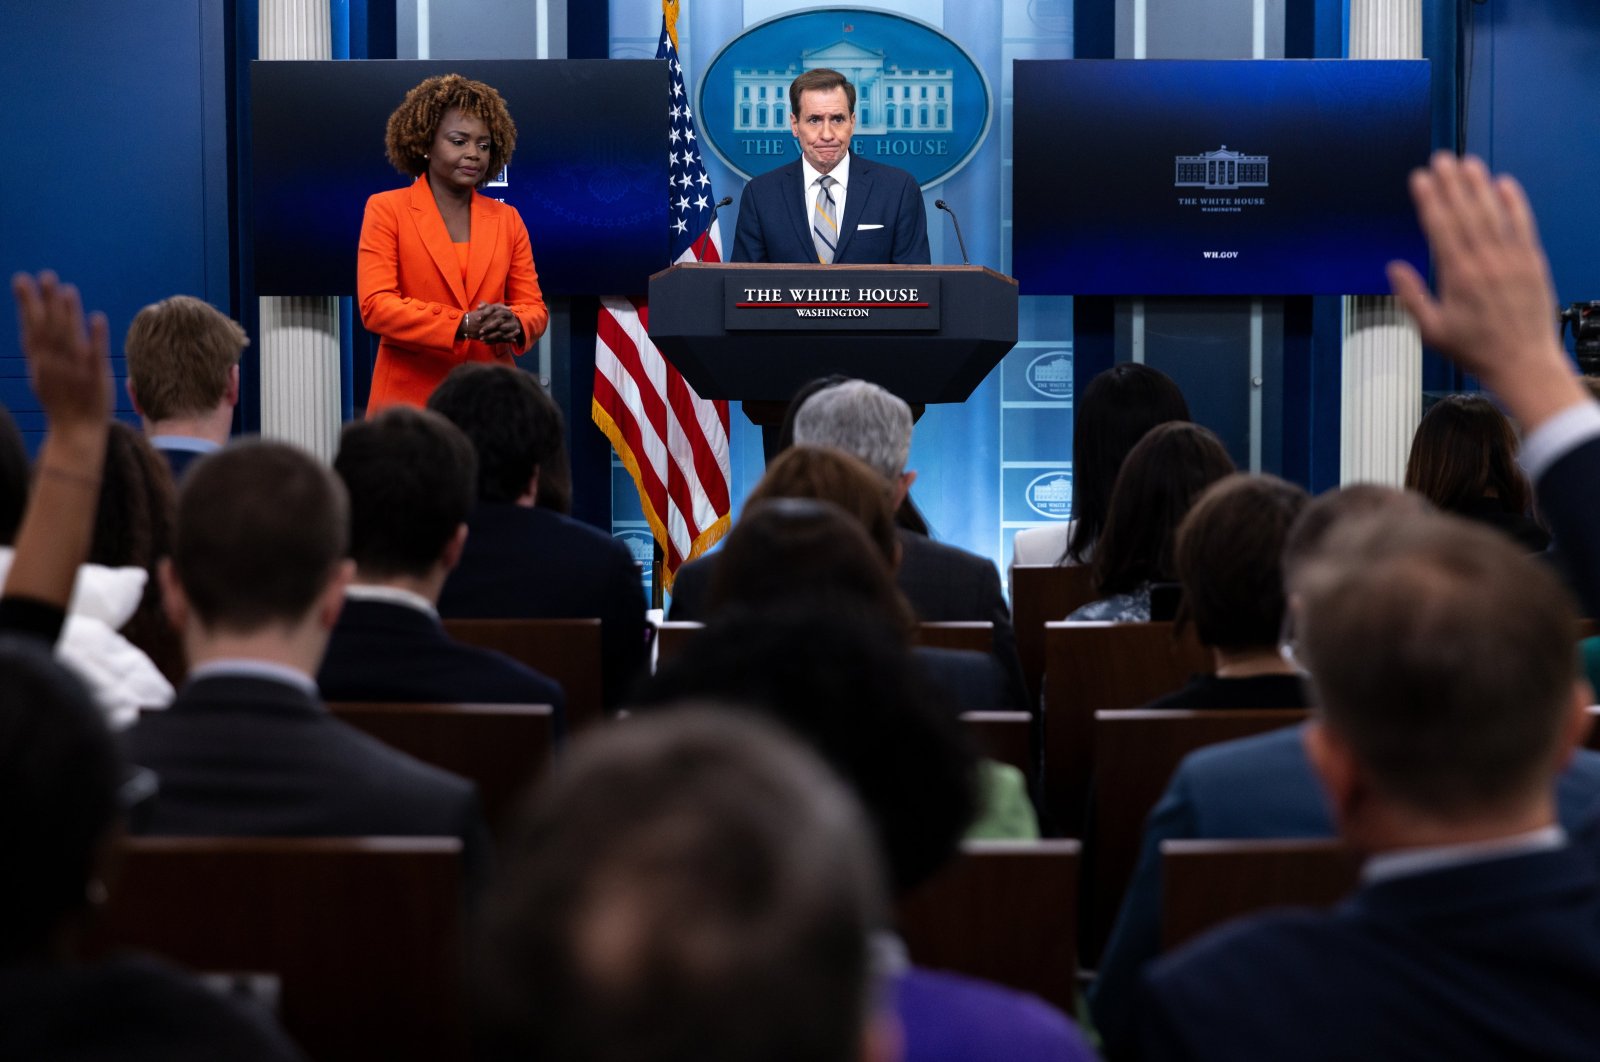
[(181, 353)]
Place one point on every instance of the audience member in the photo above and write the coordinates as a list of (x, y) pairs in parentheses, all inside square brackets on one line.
[(1464, 460), (183, 376), (1164, 473), (1443, 667), (133, 528), (1230, 563), (845, 684), (410, 477), (1262, 786), (1115, 411), (69, 366), (255, 582), (522, 560), (691, 886), (942, 583), (61, 782)]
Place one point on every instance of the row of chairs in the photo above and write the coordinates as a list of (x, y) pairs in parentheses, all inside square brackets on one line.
[(360, 942)]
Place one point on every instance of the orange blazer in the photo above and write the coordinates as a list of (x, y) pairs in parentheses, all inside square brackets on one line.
[(408, 280)]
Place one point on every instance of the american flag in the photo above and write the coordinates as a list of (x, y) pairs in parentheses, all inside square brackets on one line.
[(673, 442)]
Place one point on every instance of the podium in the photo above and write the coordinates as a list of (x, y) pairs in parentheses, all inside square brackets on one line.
[(756, 332)]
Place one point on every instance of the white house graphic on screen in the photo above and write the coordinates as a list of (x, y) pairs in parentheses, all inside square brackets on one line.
[(888, 99), (1221, 169)]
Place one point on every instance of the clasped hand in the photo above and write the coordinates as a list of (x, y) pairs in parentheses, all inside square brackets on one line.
[(495, 323)]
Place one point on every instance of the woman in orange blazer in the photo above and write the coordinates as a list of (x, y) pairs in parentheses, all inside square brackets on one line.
[(444, 274)]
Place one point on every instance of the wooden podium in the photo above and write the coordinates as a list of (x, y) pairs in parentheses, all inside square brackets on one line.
[(756, 332)]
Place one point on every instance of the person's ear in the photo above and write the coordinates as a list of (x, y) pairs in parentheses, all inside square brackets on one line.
[(451, 555), (1336, 768), (133, 396), (232, 393), (332, 600), (1580, 721), (902, 487), (174, 602)]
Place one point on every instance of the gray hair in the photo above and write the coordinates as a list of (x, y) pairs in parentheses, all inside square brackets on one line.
[(863, 420)]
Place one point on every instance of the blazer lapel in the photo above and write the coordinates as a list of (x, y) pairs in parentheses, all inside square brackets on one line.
[(436, 238), (485, 238), (798, 211), (855, 201)]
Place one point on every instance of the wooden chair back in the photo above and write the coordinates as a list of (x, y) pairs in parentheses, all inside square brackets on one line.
[(502, 747), (672, 636), (1135, 754), (973, 636), (1005, 911), (567, 650), (1041, 594), (1003, 736), (1206, 883), (363, 934), (1100, 667)]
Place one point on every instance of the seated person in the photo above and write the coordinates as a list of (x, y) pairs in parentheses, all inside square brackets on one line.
[(61, 784), (183, 376), (1442, 662), (696, 885), (1464, 460), (1230, 564), (1163, 475), (1114, 412), (255, 583), (1262, 786), (844, 682), (410, 475), (521, 559)]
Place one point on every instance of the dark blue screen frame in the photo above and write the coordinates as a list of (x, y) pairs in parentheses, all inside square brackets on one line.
[(1216, 177), (589, 173)]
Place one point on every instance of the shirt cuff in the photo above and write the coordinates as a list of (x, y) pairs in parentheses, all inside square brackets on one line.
[(1558, 436)]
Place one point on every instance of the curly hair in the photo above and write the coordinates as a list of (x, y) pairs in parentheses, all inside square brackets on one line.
[(413, 124)]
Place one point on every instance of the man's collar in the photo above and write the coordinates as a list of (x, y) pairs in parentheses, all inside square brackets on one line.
[(190, 443), (840, 173), (390, 595), (260, 669), (1407, 862)]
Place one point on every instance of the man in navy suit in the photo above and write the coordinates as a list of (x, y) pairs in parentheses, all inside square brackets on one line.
[(1475, 933), (523, 559), (830, 206), (247, 749), (410, 475), (183, 376)]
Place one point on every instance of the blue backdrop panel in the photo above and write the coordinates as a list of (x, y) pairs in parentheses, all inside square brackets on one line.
[(586, 175)]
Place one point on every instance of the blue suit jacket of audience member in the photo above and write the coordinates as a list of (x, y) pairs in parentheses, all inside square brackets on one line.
[(382, 651), (1571, 506), (522, 563), (775, 227), (1260, 786), (1492, 960)]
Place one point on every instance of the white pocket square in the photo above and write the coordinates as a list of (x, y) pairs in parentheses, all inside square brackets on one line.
[(867, 228)]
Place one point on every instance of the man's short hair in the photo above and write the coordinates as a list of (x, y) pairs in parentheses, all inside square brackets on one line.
[(693, 885), (1333, 507), (820, 80), (261, 531), (1443, 655), (181, 352), (1229, 557), (411, 476), (863, 420), (515, 427)]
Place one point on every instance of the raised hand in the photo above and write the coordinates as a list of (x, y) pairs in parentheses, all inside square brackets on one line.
[(69, 360)]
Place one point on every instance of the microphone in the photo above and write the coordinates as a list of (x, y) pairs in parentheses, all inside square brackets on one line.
[(718, 205), (942, 205)]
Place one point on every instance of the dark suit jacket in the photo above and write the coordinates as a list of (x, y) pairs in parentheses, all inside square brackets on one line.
[(537, 564), (774, 225), (179, 460), (1261, 786), (241, 756), (381, 651), (1571, 506), (1493, 960)]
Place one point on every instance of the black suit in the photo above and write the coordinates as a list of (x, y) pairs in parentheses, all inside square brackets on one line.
[(1571, 506), (524, 563), (383, 651), (243, 756), (884, 219), (1492, 960)]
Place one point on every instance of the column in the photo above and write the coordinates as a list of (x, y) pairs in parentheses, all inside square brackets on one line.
[(299, 339), (1381, 396)]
